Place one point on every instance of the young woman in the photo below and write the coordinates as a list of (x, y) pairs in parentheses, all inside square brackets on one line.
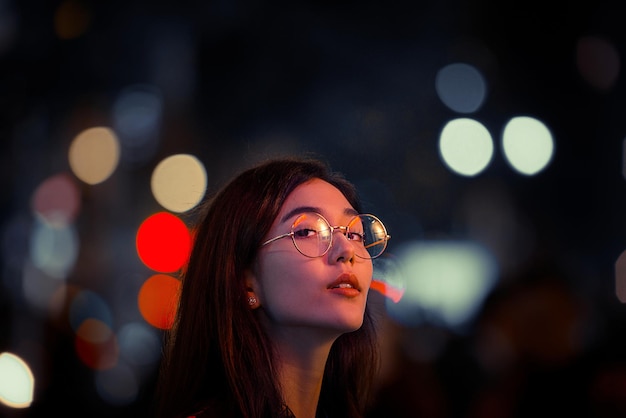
[(272, 318)]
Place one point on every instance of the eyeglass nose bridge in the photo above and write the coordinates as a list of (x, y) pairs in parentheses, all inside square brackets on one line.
[(344, 230)]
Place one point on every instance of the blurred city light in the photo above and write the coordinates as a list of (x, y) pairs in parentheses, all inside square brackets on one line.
[(179, 182), (17, 383), (598, 61), (137, 118), (386, 280), (461, 87), (163, 242), (158, 300), (71, 19), (139, 344), (94, 155), (527, 144), (54, 249), (465, 146), (620, 277), (57, 200), (446, 282)]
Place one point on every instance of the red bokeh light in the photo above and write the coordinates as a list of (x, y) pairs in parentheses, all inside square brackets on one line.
[(163, 242)]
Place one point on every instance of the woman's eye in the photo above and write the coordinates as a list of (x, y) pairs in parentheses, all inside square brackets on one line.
[(355, 236), (304, 233)]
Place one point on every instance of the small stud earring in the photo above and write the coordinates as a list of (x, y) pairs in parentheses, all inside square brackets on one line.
[(251, 300)]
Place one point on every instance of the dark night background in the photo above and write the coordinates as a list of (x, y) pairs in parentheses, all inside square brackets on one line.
[(353, 82)]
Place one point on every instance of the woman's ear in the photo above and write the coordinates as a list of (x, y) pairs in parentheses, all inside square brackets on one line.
[(251, 289)]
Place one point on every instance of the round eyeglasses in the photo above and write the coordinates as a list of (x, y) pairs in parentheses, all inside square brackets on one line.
[(312, 235)]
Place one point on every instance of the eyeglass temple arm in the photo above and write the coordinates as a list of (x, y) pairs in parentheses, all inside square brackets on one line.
[(386, 238), (288, 234)]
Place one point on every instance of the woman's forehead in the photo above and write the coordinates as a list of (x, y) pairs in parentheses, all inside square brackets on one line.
[(315, 196)]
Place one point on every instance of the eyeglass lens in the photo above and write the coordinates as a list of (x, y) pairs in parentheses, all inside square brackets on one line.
[(312, 235)]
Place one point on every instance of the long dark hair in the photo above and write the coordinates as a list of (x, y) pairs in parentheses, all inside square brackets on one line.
[(217, 356)]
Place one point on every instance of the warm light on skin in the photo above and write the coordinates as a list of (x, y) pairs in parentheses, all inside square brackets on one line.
[(293, 288)]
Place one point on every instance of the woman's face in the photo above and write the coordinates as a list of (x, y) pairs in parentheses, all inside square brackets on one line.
[(327, 293)]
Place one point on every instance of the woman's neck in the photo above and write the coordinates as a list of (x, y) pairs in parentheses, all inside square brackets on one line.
[(301, 370)]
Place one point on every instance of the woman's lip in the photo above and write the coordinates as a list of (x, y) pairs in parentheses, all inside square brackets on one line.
[(343, 280)]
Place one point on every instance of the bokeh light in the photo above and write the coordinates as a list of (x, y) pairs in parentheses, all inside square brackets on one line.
[(17, 383), (71, 19), (179, 182), (598, 61), (386, 279), (461, 87), (163, 242), (94, 155), (137, 115), (446, 282), (620, 277), (527, 145), (54, 248), (57, 199), (465, 146), (139, 344), (158, 299)]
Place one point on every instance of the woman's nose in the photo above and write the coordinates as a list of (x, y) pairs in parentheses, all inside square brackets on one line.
[(342, 249)]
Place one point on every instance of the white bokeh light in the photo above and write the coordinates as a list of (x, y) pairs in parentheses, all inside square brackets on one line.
[(465, 146), (445, 280), (527, 144), (17, 383), (179, 182)]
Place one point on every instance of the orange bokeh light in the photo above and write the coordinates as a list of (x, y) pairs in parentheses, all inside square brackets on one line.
[(163, 242), (158, 298), (393, 293)]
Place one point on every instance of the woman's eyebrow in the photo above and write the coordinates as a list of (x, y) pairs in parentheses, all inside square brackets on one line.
[(298, 210), (302, 209)]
